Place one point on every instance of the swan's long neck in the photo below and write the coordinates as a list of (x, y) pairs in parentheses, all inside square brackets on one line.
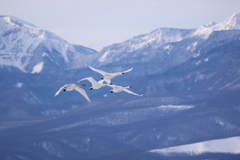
[(127, 87)]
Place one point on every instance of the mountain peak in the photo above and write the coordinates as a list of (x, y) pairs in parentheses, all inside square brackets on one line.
[(15, 21), (230, 23), (210, 24), (32, 49), (236, 15)]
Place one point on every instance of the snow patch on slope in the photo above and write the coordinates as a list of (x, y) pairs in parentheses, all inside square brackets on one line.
[(227, 145), (18, 85), (38, 68), (103, 57), (176, 107), (52, 149)]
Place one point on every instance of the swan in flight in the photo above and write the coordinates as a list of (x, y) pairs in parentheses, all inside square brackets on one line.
[(70, 87), (108, 76), (117, 89), (95, 84)]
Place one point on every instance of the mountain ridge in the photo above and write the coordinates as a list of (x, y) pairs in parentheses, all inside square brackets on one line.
[(25, 46), (154, 46)]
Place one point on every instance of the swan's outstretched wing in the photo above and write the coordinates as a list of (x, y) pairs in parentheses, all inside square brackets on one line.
[(127, 70), (99, 71), (83, 92), (107, 80), (90, 79), (101, 81), (130, 92), (119, 73), (60, 90), (113, 86)]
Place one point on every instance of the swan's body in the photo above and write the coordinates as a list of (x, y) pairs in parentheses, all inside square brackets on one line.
[(117, 89), (95, 84), (70, 87), (108, 76)]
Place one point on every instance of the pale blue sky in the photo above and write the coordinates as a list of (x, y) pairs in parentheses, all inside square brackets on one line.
[(99, 23)]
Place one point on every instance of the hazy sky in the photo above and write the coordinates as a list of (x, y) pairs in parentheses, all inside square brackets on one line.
[(99, 23)]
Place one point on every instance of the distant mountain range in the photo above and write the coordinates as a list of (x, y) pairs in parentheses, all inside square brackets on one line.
[(170, 45), (189, 78), (34, 50)]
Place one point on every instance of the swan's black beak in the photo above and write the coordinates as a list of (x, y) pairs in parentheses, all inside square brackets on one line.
[(102, 78), (111, 91), (91, 88), (64, 90)]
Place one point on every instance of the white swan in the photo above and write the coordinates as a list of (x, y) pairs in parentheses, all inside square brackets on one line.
[(108, 76), (117, 89), (70, 87), (95, 84)]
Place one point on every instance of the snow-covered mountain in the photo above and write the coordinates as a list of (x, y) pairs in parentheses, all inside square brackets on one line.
[(149, 50), (153, 40), (174, 46), (32, 49), (231, 23)]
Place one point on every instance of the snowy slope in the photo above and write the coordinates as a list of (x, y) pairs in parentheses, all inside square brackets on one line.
[(15, 40), (148, 53), (148, 41), (147, 47), (28, 48), (227, 145), (231, 23)]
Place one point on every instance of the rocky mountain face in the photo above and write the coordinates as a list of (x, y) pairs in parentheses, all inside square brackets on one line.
[(190, 79)]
